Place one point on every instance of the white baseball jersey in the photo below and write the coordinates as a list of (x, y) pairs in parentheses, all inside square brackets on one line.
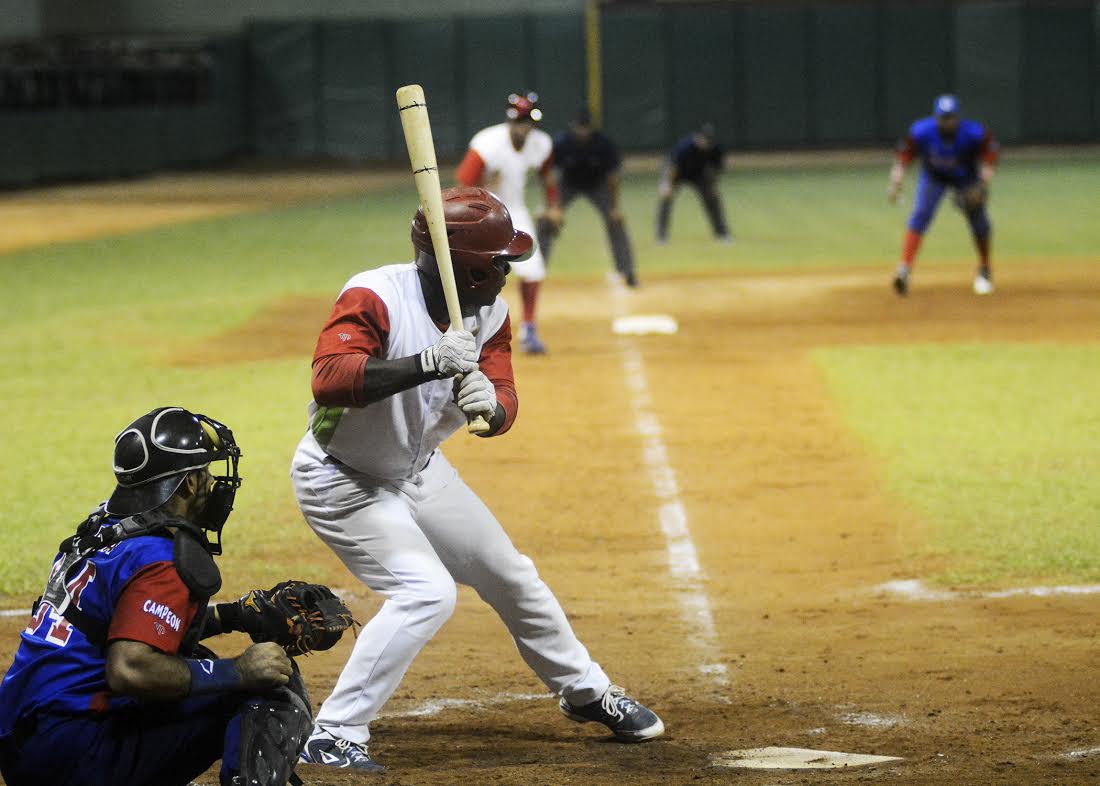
[(505, 174), (494, 146), (409, 527), (392, 439)]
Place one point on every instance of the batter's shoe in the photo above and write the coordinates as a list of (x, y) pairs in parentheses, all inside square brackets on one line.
[(983, 283), (323, 748), (629, 720), (529, 340), (901, 280)]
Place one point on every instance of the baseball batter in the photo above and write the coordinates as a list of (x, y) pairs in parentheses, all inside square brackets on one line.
[(391, 380), (955, 153), (499, 158)]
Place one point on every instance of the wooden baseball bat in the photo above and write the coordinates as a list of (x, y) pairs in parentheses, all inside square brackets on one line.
[(418, 138)]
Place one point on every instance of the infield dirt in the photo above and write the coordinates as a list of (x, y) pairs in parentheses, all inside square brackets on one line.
[(794, 528)]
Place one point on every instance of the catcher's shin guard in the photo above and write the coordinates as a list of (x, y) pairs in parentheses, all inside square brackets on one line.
[(274, 729)]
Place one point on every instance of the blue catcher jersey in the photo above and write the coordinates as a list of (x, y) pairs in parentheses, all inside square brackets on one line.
[(949, 159), (133, 589)]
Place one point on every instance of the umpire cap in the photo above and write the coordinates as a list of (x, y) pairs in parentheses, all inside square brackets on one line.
[(154, 454)]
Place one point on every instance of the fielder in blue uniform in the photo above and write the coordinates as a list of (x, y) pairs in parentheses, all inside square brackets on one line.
[(955, 154), (110, 685)]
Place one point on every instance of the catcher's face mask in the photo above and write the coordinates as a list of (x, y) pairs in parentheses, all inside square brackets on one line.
[(223, 491)]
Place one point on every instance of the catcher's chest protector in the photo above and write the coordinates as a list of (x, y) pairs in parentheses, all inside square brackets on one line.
[(196, 568), (192, 560)]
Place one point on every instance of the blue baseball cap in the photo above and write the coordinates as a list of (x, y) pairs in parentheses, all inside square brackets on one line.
[(946, 104)]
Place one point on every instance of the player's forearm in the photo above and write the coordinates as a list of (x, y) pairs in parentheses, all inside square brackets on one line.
[(986, 171), (222, 618), (137, 670), (385, 378), (356, 380), (613, 189), (897, 173)]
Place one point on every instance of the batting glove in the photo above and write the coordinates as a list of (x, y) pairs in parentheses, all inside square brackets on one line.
[(476, 395), (454, 353)]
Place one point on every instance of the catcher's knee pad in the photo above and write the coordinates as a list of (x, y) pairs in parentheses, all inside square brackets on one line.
[(274, 730)]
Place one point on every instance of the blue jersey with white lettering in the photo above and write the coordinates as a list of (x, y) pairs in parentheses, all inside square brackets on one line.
[(56, 669), (949, 159)]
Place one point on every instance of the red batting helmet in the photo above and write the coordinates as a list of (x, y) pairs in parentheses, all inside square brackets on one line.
[(524, 107), (482, 240)]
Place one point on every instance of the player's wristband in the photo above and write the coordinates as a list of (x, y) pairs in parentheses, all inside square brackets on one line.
[(425, 364), (228, 616), (213, 676)]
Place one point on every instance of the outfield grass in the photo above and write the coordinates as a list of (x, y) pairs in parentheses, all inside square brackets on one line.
[(89, 327), (995, 445), (838, 216)]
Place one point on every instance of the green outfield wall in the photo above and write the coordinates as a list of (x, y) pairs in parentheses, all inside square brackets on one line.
[(769, 75)]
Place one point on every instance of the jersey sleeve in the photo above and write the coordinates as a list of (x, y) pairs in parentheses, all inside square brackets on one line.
[(359, 323), (613, 157), (155, 608), (471, 170), (357, 329), (989, 150), (496, 363), (679, 151), (906, 149)]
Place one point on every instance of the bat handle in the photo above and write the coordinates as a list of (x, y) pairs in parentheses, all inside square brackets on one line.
[(478, 425)]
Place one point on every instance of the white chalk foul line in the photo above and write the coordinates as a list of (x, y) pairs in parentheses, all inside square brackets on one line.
[(436, 706), (683, 558), (915, 589)]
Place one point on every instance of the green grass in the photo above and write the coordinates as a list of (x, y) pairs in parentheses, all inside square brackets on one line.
[(87, 327), (995, 445)]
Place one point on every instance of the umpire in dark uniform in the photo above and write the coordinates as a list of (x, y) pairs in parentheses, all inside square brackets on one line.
[(697, 160), (588, 163)]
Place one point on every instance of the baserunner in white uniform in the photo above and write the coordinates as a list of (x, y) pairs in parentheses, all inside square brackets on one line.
[(373, 484), (499, 158)]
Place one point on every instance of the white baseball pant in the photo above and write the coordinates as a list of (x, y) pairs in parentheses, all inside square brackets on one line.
[(411, 543), (533, 269)]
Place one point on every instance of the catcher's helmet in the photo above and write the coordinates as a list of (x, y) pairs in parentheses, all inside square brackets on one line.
[(154, 454), (482, 241), (524, 107)]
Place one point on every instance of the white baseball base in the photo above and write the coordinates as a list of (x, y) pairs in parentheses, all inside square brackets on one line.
[(644, 325), (795, 759)]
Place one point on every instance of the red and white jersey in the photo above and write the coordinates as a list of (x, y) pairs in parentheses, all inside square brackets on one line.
[(381, 314), (505, 168)]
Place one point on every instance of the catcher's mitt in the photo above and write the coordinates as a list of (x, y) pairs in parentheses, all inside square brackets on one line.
[(299, 616), (972, 198)]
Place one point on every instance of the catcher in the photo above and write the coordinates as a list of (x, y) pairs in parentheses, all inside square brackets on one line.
[(110, 684)]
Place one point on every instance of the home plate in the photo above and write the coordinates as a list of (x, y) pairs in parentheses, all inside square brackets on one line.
[(794, 759), (644, 325)]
